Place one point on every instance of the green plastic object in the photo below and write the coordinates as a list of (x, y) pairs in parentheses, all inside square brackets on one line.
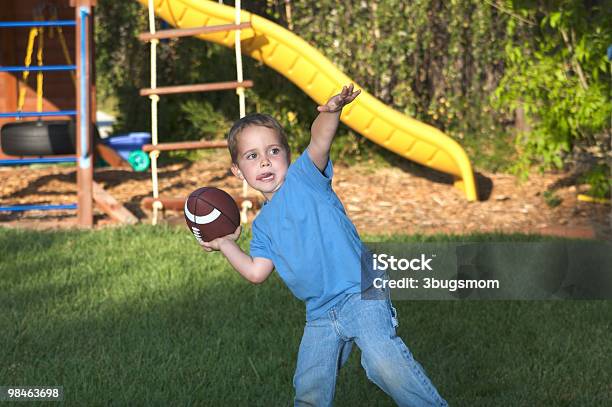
[(139, 160)]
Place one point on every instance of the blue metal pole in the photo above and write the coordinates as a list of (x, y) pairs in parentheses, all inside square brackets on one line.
[(28, 161), (84, 159), (45, 68), (55, 23), (39, 114), (21, 208)]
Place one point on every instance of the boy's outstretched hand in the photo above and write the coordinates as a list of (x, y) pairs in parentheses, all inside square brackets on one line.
[(216, 244), (336, 103)]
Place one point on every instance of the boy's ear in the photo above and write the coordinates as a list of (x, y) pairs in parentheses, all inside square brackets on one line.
[(236, 171)]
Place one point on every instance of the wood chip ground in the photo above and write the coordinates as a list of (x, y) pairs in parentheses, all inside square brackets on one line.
[(407, 199)]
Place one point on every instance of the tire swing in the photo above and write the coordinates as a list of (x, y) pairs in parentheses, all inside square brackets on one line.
[(55, 137)]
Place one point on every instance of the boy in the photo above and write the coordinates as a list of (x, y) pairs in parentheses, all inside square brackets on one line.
[(303, 231)]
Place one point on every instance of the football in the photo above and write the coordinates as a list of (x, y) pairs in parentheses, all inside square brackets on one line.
[(211, 213)]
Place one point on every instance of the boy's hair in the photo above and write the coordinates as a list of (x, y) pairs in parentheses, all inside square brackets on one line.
[(254, 119)]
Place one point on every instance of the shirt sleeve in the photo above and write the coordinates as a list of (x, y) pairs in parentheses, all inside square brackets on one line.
[(313, 176), (260, 243)]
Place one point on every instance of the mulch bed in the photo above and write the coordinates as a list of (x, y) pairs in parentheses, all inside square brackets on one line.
[(401, 199)]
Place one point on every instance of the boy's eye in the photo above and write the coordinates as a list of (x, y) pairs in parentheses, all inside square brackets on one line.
[(275, 150), (251, 156)]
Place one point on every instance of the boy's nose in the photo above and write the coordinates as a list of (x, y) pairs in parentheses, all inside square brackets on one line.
[(265, 162)]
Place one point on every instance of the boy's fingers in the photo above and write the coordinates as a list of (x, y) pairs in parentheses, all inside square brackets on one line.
[(354, 95)]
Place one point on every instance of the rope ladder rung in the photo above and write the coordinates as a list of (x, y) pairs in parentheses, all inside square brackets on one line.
[(202, 87), (184, 145), (190, 32)]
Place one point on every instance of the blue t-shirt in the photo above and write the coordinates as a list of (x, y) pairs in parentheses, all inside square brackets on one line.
[(314, 246)]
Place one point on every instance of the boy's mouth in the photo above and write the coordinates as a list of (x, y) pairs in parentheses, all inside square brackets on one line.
[(265, 177)]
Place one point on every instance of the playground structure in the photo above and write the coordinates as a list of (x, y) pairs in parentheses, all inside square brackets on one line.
[(312, 72), (67, 97)]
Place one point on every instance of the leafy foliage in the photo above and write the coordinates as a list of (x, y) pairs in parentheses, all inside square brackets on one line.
[(558, 74), (600, 181)]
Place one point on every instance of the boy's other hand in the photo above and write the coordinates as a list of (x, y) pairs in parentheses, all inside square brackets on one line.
[(216, 244), (337, 102)]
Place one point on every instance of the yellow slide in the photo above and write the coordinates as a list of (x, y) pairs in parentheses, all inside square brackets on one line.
[(294, 58)]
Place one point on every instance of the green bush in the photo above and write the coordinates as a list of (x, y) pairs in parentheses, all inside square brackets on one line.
[(558, 74), (600, 180)]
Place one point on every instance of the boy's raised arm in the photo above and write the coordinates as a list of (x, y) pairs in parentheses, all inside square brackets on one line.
[(324, 127)]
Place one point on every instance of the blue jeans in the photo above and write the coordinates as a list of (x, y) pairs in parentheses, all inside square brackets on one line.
[(326, 345)]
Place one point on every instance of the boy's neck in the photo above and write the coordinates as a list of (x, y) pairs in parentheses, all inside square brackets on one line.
[(269, 195)]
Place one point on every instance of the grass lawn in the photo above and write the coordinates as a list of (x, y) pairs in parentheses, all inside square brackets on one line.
[(142, 316)]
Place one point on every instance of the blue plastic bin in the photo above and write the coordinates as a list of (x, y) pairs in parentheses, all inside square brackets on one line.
[(126, 143)]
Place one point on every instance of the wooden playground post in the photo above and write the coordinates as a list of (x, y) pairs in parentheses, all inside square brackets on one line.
[(8, 84), (83, 47)]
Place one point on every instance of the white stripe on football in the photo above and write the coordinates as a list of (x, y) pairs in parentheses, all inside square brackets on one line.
[(202, 220)]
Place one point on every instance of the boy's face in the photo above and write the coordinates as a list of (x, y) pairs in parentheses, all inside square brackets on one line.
[(262, 160)]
